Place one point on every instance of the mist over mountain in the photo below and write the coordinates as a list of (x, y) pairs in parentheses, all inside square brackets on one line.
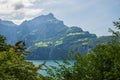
[(48, 38)]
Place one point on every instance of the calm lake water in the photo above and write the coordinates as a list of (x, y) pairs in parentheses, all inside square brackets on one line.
[(48, 63)]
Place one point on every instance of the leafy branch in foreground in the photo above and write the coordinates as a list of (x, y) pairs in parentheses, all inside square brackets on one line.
[(102, 63), (12, 63), (117, 26), (63, 71)]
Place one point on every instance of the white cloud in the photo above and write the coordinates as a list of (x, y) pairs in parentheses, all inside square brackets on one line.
[(18, 10), (18, 6), (32, 12), (3, 1)]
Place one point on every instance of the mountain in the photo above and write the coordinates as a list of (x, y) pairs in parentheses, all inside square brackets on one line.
[(48, 38), (8, 29), (42, 28)]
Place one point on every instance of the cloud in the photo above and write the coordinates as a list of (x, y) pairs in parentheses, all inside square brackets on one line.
[(18, 15), (3, 1), (32, 12), (18, 6), (18, 10)]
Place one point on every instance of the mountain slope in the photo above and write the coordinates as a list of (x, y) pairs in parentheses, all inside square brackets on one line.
[(8, 29), (48, 38), (42, 28)]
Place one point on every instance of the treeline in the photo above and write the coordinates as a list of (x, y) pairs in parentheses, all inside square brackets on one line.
[(102, 63)]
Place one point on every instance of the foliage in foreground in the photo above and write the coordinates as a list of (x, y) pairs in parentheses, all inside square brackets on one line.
[(103, 63), (12, 63)]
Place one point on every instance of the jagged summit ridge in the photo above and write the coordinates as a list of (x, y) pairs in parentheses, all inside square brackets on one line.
[(43, 19)]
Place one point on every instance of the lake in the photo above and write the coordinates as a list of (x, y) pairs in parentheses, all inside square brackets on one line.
[(49, 63)]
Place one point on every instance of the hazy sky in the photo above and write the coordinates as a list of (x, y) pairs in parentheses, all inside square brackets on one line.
[(95, 16)]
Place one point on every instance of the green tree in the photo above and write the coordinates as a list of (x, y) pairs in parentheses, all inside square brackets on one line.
[(2, 43), (12, 63), (102, 63), (117, 26)]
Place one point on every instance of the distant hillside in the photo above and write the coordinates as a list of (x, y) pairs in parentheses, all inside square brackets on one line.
[(8, 29), (48, 38)]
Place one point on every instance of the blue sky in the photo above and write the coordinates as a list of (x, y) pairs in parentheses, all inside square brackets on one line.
[(95, 16)]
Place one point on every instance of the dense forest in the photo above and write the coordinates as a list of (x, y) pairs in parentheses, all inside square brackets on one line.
[(102, 63)]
